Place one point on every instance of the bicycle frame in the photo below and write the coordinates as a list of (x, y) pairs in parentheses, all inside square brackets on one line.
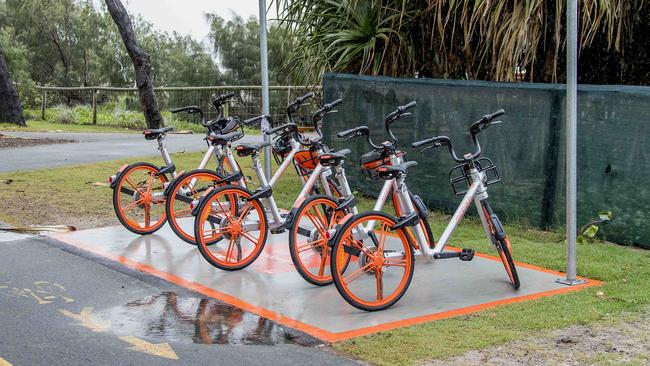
[(476, 193), (319, 172)]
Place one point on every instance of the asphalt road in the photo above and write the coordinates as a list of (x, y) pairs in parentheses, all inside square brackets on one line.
[(60, 306), (92, 147)]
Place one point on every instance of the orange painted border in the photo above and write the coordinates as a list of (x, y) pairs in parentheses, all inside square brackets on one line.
[(310, 329)]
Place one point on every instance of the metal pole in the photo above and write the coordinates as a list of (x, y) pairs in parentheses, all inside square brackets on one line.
[(265, 83), (571, 143)]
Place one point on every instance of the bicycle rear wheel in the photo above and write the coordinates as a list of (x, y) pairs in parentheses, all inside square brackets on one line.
[(309, 236), (384, 261), (185, 189), (139, 199)]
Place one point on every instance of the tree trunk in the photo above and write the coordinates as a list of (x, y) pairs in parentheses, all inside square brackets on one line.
[(141, 63), (10, 108)]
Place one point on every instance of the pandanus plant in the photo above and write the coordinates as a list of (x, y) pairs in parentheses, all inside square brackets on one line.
[(472, 39)]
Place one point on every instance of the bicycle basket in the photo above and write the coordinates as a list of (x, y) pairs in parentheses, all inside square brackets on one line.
[(281, 148), (372, 160), (225, 125), (461, 180), (306, 161)]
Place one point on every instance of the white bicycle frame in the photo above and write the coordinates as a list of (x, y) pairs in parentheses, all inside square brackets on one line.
[(477, 192)]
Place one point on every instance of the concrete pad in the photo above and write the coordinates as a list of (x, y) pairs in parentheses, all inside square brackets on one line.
[(270, 287)]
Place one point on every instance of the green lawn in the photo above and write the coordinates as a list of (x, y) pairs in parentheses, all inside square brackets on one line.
[(64, 195)]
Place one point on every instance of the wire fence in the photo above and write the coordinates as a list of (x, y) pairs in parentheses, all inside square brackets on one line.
[(120, 107)]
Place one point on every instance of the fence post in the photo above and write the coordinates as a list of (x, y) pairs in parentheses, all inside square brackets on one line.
[(43, 104), (225, 109), (94, 106)]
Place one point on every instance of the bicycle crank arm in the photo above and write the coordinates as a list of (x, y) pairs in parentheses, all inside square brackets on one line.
[(464, 255)]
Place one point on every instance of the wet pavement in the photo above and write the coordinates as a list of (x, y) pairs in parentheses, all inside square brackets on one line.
[(272, 288), (62, 306)]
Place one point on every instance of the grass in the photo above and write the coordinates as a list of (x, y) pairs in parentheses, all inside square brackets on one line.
[(45, 126), (66, 196)]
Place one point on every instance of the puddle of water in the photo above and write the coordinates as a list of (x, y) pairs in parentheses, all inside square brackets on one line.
[(199, 320)]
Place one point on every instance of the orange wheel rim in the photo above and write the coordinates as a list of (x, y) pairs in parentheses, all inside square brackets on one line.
[(313, 253), (141, 210), (179, 209), (376, 289), (235, 240)]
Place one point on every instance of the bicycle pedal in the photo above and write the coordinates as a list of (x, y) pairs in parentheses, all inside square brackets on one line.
[(466, 255)]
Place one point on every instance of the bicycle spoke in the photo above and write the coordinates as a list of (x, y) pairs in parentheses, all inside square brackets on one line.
[(392, 262), (379, 275), (249, 237), (132, 205), (356, 274), (318, 225), (230, 248), (382, 239), (147, 215), (310, 245), (323, 260)]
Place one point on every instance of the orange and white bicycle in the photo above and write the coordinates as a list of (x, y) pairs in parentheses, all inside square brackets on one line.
[(382, 245), (138, 188)]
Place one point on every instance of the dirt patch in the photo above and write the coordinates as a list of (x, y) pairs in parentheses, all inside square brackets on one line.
[(14, 142), (625, 343)]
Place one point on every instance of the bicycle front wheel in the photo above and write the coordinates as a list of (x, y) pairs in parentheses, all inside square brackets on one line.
[(230, 228), (381, 261), (139, 199)]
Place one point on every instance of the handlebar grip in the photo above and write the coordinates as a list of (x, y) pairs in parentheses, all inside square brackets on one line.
[(188, 109), (333, 104), (490, 117), (358, 131), (423, 142), (276, 129), (407, 106), (227, 96), (254, 120), (305, 97)]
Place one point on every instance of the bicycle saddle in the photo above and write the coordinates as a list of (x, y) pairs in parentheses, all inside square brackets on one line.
[(249, 149), (151, 134), (333, 158), (393, 171)]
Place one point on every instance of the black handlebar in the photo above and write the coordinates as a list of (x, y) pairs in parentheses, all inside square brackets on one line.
[(287, 126), (255, 120), (192, 109), (291, 108), (474, 129), (485, 122), (358, 132), (394, 116)]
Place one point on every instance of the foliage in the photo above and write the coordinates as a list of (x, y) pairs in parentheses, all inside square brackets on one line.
[(466, 39), (237, 45), (589, 231), (76, 43)]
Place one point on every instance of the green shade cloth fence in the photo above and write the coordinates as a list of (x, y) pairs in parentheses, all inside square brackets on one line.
[(528, 148)]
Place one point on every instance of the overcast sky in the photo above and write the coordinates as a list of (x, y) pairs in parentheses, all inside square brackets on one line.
[(187, 16)]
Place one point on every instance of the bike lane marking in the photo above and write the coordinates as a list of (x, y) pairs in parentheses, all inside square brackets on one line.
[(4, 362), (156, 349)]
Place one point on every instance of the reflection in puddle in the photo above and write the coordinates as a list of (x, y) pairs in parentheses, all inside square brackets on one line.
[(199, 320)]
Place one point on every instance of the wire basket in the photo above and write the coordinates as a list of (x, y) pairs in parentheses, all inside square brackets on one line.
[(461, 179)]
